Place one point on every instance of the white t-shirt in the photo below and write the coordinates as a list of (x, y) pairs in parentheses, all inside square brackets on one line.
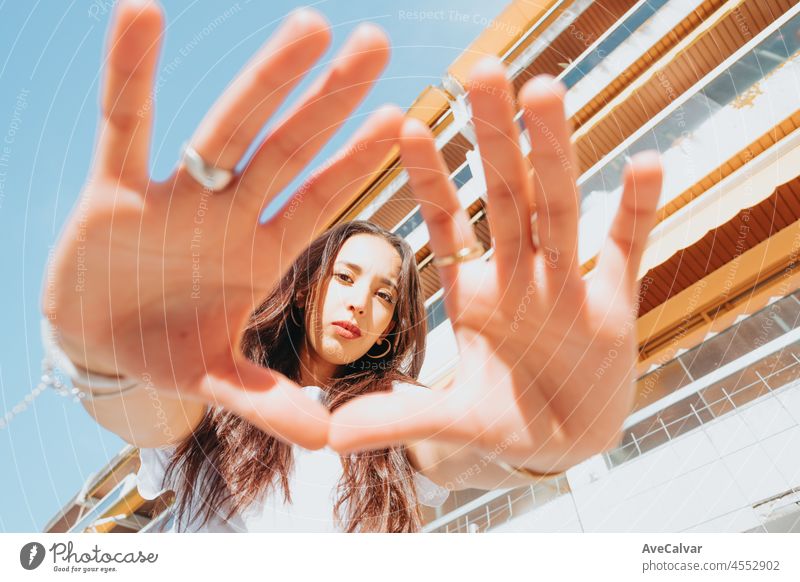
[(312, 485)]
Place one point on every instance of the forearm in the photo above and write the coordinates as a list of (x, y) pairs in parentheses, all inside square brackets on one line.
[(145, 417), (457, 467), (140, 415)]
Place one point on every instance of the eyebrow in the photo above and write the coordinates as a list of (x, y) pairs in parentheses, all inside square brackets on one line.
[(358, 269)]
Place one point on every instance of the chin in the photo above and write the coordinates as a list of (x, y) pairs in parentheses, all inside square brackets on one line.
[(333, 353)]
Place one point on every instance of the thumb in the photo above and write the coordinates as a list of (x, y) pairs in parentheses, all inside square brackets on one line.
[(269, 401)]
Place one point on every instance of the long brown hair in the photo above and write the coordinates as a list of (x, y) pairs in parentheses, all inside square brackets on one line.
[(226, 459)]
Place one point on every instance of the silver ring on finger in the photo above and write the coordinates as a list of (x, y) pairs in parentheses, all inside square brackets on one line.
[(208, 176)]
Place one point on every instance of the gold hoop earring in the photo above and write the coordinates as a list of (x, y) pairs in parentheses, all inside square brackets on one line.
[(389, 349)]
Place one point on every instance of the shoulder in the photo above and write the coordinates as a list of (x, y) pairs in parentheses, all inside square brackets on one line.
[(150, 478), (428, 492)]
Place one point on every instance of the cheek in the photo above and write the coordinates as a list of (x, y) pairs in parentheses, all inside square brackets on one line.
[(332, 298), (386, 315), (381, 318)]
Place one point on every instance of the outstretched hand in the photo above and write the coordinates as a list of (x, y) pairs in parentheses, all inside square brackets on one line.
[(156, 280), (159, 278), (534, 337)]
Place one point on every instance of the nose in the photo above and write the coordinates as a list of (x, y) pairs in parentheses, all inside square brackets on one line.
[(357, 300), (356, 307)]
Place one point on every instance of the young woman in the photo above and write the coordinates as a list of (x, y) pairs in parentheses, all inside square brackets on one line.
[(347, 316), (156, 292)]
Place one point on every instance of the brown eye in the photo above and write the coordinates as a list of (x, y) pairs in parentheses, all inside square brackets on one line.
[(386, 297), (345, 275)]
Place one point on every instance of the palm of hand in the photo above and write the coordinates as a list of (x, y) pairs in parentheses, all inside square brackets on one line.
[(172, 271), (169, 272), (533, 379)]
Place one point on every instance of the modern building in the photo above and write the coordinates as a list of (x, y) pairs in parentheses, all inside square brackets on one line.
[(713, 442)]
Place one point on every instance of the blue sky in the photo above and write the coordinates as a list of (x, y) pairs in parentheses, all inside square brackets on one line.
[(50, 53)]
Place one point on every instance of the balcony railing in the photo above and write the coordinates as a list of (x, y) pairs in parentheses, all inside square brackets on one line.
[(755, 357), (772, 330), (497, 507), (101, 508)]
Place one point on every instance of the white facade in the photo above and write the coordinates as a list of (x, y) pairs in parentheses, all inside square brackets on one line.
[(708, 480)]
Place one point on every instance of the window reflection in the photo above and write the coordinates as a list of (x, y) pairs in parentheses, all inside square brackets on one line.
[(766, 57), (770, 373), (622, 32), (727, 346), (659, 383)]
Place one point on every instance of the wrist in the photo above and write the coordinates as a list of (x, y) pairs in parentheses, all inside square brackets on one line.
[(88, 383), (527, 473), (79, 354)]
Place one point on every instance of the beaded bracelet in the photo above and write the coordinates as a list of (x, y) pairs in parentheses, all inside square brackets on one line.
[(86, 385)]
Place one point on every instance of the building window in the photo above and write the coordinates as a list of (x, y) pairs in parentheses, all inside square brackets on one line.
[(621, 33), (770, 373)]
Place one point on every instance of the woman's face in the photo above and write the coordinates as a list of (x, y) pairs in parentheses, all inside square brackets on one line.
[(361, 292)]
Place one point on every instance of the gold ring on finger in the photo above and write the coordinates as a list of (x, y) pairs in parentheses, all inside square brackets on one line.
[(462, 255)]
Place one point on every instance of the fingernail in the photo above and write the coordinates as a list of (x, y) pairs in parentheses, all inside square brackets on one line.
[(388, 109), (490, 62), (371, 28), (544, 85), (544, 82), (647, 157), (304, 13), (415, 126)]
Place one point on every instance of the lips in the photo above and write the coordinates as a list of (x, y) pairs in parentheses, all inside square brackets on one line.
[(347, 329)]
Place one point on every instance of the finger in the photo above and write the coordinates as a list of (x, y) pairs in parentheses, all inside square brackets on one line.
[(331, 188), (269, 401), (381, 420), (448, 225), (321, 111), (236, 118), (126, 100), (507, 183), (621, 256), (555, 181)]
